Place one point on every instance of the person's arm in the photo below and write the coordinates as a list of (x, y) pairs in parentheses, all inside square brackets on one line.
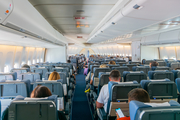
[(91, 82), (100, 100), (99, 105)]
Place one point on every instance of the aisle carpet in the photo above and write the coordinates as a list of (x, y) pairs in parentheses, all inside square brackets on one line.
[(80, 107)]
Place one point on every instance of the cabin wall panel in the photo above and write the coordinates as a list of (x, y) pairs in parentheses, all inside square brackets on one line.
[(136, 51), (16, 56), (56, 54), (167, 52), (149, 53)]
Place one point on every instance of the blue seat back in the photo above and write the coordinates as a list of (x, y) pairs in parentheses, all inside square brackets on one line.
[(120, 61), (145, 69), (161, 75), (97, 70), (19, 71), (55, 87), (176, 73), (62, 76), (160, 89), (130, 66), (42, 71), (162, 63), (175, 65), (95, 63), (162, 68), (8, 76), (121, 69), (31, 76), (36, 109), (92, 67), (111, 66), (148, 61), (131, 76), (64, 70), (178, 83), (14, 88), (143, 111), (103, 79), (118, 91)]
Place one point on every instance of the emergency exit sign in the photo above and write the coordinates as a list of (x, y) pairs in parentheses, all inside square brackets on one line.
[(79, 18)]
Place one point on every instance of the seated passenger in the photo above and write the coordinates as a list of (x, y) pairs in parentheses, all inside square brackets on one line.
[(153, 64), (91, 82), (112, 63), (38, 92), (104, 93), (74, 69), (143, 61), (42, 91), (137, 94), (25, 66), (54, 76)]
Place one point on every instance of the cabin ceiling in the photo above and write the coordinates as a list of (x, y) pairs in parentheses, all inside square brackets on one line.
[(60, 14), (136, 24)]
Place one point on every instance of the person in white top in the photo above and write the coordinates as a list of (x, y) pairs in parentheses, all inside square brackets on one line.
[(104, 93)]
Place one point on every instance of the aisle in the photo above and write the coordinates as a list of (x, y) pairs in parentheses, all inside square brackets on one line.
[(80, 108)]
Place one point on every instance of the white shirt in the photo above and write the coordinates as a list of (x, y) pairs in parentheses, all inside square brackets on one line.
[(74, 68), (104, 96)]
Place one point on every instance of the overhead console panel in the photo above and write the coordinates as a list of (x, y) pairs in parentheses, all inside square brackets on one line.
[(6, 7), (26, 19)]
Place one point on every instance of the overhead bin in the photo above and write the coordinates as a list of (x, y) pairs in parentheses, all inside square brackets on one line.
[(152, 39), (6, 7), (152, 9), (26, 19), (170, 37)]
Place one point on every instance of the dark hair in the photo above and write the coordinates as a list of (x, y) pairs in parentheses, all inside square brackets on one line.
[(112, 62), (154, 63), (41, 91), (68, 61), (139, 94), (26, 66), (115, 74)]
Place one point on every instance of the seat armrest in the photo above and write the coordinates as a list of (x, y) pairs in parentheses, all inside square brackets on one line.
[(101, 114), (94, 96), (67, 108)]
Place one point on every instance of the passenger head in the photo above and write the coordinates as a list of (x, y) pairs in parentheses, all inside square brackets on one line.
[(143, 61), (103, 66), (154, 63), (112, 63), (26, 66), (115, 76), (40, 91), (138, 94), (68, 61), (54, 76)]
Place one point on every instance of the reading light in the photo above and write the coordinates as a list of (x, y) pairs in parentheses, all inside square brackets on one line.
[(113, 23), (137, 7)]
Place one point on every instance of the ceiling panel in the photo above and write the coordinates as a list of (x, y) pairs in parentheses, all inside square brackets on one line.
[(60, 14), (37, 2)]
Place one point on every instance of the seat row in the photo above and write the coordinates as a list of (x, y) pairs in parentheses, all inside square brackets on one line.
[(159, 88), (22, 82)]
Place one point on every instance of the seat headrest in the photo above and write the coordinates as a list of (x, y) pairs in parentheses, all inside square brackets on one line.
[(178, 84), (136, 107), (144, 83)]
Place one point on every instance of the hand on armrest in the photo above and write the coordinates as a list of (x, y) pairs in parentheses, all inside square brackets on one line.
[(101, 114)]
